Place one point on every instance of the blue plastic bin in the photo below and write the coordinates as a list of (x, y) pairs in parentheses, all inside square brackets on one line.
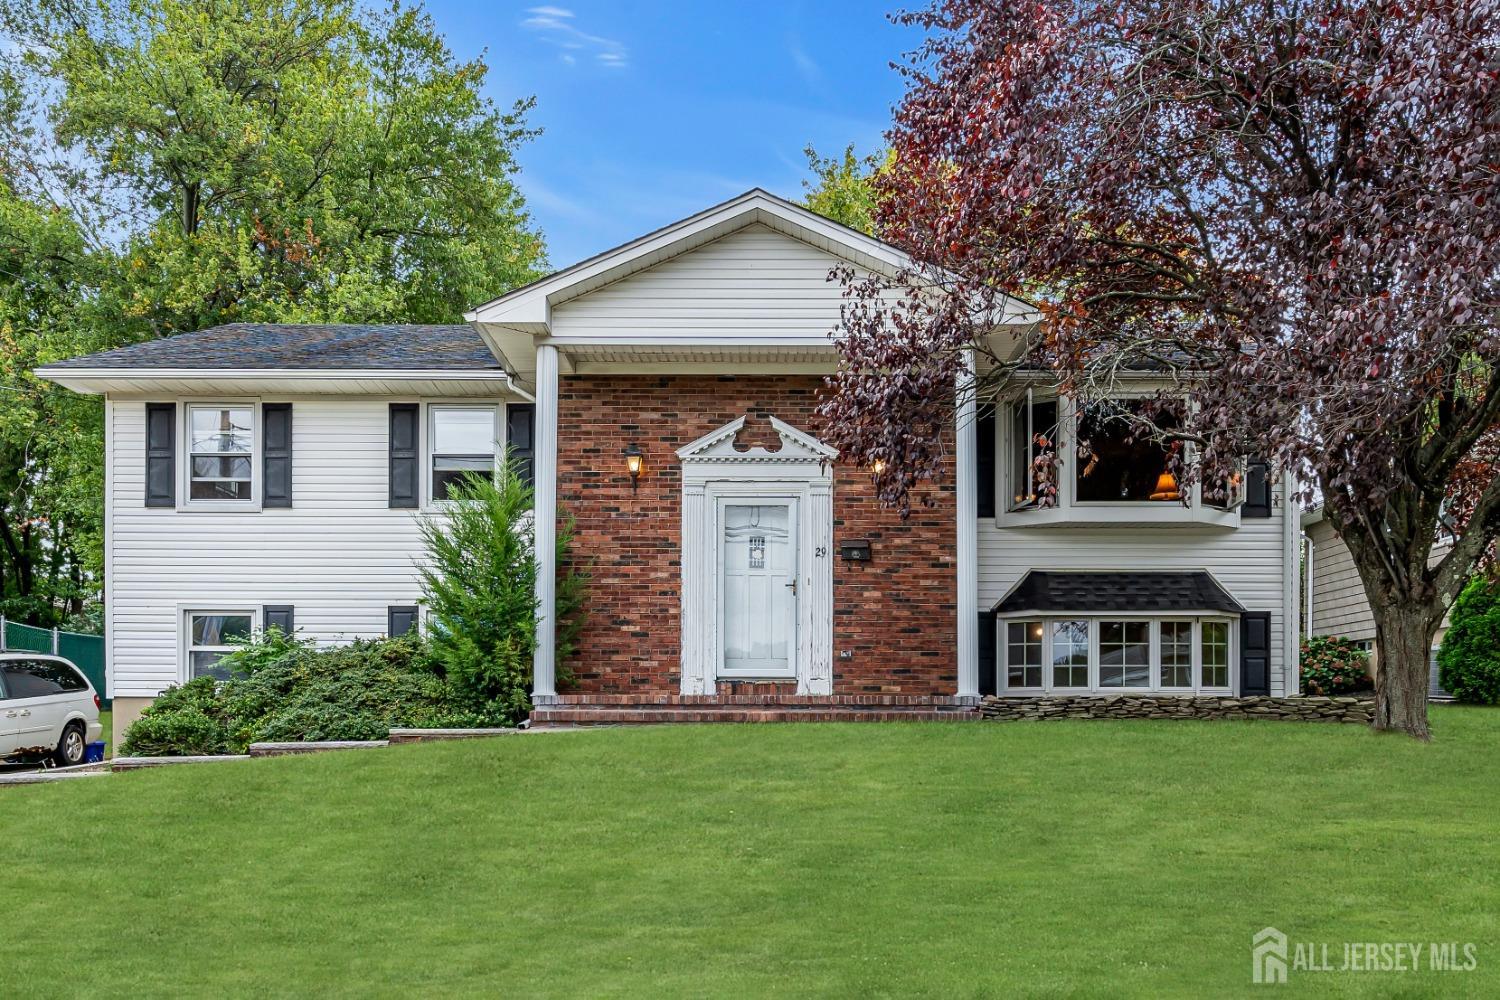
[(94, 752)]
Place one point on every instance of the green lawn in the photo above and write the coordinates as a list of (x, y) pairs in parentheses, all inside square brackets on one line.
[(1066, 858)]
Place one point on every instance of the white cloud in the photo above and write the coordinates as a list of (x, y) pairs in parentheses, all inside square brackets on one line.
[(557, 26)]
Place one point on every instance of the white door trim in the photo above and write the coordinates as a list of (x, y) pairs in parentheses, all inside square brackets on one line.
[(801, 469)]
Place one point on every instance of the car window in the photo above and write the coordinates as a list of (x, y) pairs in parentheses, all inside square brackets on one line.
[(40, 678)]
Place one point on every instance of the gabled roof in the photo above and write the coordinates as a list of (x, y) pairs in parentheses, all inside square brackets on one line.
[(302, 346), (1118, 593), (529, 306)]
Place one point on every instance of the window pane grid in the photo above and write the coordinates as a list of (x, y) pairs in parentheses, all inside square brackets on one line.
[(1149, 654), (1215, 654), (1176, 654), (1024, 654), (1070, 654)]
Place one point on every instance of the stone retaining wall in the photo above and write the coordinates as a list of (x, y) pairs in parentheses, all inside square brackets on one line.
[(1151, 706)]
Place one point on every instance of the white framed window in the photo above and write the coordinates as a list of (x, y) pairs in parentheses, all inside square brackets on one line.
[(1215, 654), (209, 634), (1024, 654), (1109, 654), (221, 448), (1069, 654), (1124, 654), (462, 440), (1177, 654), (1047, 477)]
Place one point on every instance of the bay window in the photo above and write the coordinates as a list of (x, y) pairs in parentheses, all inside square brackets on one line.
[(1104, 654), (1100, 463)]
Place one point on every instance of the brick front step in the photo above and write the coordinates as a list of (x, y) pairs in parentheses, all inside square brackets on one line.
[(749, 708)]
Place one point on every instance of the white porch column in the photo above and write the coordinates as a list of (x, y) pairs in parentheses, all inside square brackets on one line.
[(966, 483), (544, 667)]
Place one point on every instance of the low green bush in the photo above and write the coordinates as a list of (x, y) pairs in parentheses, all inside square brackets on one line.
[(1469, 659), (1334, 665), (284, 689)]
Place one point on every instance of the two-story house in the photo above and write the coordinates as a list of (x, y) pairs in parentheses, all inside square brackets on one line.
[(664, 394)]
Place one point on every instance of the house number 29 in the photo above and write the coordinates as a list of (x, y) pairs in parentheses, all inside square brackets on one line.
[(820, 552)]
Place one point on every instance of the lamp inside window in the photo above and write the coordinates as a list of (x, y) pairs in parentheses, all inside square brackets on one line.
[(1119, 459)]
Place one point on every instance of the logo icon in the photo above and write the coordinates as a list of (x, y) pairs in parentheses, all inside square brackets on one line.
[(1268, 956)]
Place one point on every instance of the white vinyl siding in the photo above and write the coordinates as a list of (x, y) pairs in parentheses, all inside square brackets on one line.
[(752, 283), (1247, 561), (340, 555)]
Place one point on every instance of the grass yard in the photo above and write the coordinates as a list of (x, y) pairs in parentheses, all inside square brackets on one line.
[(1066, 858)]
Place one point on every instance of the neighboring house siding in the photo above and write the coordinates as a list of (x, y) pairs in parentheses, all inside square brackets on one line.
[(752, 283), (895, 614), (1339, 604), (339, 555), (1247, 561)]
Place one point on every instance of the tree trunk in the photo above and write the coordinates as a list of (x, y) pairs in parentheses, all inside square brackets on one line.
[(1403, 637)]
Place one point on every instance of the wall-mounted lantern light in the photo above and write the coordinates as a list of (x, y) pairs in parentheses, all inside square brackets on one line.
[(634, 463)]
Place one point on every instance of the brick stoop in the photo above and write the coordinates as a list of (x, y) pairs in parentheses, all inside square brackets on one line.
[(644, 709)]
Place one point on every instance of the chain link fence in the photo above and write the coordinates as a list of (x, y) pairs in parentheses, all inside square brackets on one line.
[(87, 651)]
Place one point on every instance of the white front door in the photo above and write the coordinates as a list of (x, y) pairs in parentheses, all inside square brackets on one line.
[(758, 587)]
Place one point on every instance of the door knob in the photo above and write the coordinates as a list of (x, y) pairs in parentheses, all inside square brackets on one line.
[(793, 586)]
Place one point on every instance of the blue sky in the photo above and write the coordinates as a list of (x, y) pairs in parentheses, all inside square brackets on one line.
[(655, 110)]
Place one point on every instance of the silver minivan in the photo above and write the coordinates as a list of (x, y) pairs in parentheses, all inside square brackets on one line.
[(47, 708)]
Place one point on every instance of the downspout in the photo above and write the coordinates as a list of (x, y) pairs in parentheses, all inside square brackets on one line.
[(1308, 586)]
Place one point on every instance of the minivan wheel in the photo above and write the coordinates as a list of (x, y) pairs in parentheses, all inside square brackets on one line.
[(73, 747)]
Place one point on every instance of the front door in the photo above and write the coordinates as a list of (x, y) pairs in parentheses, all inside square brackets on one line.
[(758, 587)]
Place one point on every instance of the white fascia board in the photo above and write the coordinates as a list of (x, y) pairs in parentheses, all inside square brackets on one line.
[(86, 380)]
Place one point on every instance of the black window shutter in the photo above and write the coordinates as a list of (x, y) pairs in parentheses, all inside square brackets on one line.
[(282, 616), (276, 454), (405, 471), (1257, 489), (400, 619), (984, 463), (161, 454), (989, 674), (520, 430), (1255, 653)]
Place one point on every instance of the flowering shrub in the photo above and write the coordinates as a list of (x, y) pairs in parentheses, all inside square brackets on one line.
[(1333, 665)]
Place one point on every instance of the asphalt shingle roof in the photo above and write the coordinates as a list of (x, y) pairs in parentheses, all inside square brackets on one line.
[(1118, 592), (313, 346)]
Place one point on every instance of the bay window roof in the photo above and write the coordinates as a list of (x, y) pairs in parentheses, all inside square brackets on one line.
[(1118, 593)]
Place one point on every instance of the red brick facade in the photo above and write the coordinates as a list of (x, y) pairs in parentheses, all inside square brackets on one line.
[(894, 614)]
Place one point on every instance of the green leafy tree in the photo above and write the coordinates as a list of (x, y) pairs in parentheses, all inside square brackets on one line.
[(51, 454), (479, 585), (842, 187), (1469, 658), (167, 165)]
